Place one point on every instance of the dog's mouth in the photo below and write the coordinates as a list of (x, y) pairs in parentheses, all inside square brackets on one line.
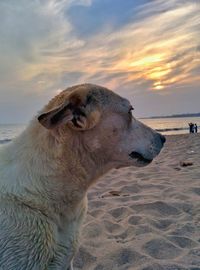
[(139, 157)]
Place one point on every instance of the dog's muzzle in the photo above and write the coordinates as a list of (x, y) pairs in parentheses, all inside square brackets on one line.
[(160, 139), (139, 157)]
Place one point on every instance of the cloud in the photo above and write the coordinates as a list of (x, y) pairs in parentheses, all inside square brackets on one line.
[(102, 15), (151, 49), (30, 30), (133, 47)]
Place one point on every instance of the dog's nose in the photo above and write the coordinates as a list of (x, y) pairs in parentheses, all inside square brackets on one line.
[(162, 138)]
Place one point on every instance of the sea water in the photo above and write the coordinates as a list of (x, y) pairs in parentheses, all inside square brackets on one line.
[(172, 125), (166, 126), (10, 131)]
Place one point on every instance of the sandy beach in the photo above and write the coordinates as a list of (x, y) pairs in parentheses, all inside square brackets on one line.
[(146, 218)]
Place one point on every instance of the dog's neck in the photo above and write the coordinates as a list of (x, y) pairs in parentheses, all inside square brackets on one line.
[(59, 172)]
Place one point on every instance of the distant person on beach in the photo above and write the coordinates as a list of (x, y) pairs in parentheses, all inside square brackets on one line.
[(191, 127), (195, 128)]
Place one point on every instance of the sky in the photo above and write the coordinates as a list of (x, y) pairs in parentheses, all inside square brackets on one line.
[(145, 50)]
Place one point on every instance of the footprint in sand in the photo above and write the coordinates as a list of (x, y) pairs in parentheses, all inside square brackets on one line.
[(192, 258), (162, 224), (83, 257), (196, 190), (166, 267), (157, 208), (96, 213), (183, 242), (123, 256), (93, 229), (187, 229), (134, 220), (96, 204), (120, 212), (143, 229), (161, 249), (99, 267), (112, 227), (131, 189)]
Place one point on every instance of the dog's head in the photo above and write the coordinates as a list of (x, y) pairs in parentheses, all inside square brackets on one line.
[(104, 124)]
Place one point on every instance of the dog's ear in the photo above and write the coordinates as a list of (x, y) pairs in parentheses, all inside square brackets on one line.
[(56, 116), (76, 113)]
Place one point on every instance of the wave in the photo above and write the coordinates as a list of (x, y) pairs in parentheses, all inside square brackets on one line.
[(5, 141), (170, 129)]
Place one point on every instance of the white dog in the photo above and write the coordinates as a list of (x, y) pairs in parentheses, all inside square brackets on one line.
[(45, 173)]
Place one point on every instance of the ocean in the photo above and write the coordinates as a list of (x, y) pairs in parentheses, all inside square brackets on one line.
[(10, 131), (166, 126), (170, 126)]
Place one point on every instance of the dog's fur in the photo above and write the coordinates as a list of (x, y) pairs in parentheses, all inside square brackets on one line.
[(45, 173)]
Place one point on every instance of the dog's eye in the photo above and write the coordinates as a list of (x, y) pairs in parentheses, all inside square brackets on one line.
[(130, 110)]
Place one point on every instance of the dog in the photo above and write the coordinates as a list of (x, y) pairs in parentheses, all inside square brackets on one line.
[(45, 173)]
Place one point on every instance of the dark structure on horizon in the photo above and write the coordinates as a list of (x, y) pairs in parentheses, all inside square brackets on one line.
[(174, 116)]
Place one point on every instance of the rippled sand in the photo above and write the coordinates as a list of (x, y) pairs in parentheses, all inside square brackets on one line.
[(146, 218)]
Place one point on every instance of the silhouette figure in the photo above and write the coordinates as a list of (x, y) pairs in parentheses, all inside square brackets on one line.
[(191, 127), (195, 128)]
